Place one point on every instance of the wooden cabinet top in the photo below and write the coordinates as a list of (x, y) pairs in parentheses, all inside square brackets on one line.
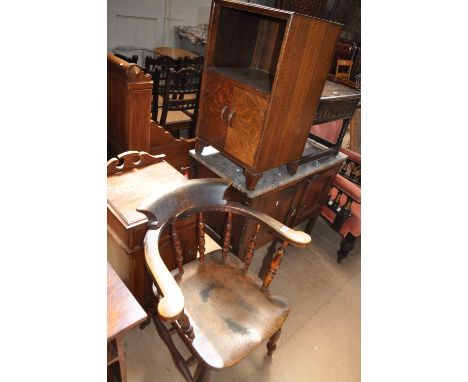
[(123, 311), (126, 190)]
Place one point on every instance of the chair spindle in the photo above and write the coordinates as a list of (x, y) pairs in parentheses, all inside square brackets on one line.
[(177, 248), (250, 250), (186, 327), (274, 265), (336, 201), (227, 236), (201, 237)]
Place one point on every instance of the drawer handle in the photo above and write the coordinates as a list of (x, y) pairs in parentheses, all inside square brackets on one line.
[(231, 114), (223, 111)]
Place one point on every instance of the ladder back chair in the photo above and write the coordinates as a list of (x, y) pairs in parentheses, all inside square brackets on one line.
[(220, 310), (132, 60), (180, 101)]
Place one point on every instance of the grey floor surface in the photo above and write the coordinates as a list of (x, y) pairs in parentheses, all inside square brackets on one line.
[(320, 340)]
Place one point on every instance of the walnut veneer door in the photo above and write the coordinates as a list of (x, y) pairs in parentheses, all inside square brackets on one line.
[(215, 102), (245, 121)]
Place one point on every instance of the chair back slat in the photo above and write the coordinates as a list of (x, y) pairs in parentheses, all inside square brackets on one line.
[(196, 63), (177, 248), (201, 237), (274, 265), (227, 236), (250, 250)]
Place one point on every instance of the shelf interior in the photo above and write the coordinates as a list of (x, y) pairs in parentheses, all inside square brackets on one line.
[(247, 47), (255, 78)]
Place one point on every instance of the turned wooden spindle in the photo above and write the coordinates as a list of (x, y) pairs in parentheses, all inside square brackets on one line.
[(186, 327), (347, 207), (201, 237), (353, 172), (177, 248), (344, 169), (336, 201), (250, 250), (227, 237), (274, 265)]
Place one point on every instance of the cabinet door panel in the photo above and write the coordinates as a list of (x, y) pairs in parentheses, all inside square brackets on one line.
[(278, 205), (216, 99), (245, 122), (315, 194)]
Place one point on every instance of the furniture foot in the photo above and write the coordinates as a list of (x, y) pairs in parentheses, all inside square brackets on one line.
[(271, 345), (251, 179), (202, 373), (347, 244), (292, 167), (199, 146)]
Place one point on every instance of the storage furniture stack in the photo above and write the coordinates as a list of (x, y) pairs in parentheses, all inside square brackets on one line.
[(265, 70)]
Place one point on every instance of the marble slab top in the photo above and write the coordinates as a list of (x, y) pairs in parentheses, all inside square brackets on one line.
[(271, 179)]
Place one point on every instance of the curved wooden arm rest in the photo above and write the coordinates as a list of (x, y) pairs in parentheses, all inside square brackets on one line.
[(297, 238), (352, 155), (171, 306), (348, 188)]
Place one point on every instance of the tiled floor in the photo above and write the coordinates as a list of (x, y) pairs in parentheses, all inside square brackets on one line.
[(320, 340)]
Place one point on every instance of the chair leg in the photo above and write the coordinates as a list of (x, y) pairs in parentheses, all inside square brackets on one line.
[(177, 358), (202, 373), (271, 345), (347, 244)]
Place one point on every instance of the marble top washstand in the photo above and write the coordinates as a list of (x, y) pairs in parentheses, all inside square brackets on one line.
[(272, 179)]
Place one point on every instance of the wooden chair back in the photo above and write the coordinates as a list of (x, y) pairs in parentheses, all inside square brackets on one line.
[(343, 64), (132, 60), (199, 196), (158, 67), (196, 63), (181, 93)]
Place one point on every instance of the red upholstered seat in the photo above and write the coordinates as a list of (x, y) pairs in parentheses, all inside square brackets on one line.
[(329, 131)]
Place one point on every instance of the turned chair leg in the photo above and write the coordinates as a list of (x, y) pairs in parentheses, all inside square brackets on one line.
[(271, 345), (347, 244)]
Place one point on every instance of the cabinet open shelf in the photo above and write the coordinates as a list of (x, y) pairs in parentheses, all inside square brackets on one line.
[(247, 47), (254, 78)]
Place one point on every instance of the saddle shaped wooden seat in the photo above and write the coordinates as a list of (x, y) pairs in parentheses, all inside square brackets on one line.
[(220, 311)]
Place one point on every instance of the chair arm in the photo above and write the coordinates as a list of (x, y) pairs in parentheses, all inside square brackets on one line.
[(171, 306), (297, 238), (348, 187), (352, 155)]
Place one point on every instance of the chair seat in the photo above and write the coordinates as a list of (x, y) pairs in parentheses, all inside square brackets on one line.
[(229, 313), (176, 116)]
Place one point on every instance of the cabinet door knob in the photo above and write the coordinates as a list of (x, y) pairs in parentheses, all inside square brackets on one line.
[(223, 111), (231, 114)]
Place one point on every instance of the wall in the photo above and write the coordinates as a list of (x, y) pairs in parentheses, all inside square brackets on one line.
[(149, 23)]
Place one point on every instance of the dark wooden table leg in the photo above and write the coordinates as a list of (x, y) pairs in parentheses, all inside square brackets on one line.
[(121, 354)]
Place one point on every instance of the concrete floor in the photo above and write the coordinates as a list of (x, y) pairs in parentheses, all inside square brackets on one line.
[(320, 340)]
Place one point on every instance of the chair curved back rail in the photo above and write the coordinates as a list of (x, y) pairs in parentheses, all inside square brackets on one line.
[(199, 196)]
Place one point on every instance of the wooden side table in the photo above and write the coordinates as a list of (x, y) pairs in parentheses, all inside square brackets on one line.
[(123, 313), (174, 53)]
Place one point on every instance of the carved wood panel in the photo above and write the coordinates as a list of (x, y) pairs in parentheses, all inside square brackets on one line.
[(244, 127), (216, 98)]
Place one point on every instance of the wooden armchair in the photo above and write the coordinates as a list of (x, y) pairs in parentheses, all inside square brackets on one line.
[(219, 310), (180, 101), (342, 211)]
